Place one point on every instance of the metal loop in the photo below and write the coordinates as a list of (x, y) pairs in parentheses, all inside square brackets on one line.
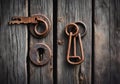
[(41, 33), (80, 58), (84, 26), (75, 59), (74, 26), (39, 17)]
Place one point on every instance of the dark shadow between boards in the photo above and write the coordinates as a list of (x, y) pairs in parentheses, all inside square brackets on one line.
[(55, 41), (93, 42)]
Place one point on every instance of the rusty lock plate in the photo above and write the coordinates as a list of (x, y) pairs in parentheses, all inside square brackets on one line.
[(35, 21), (40, 54)]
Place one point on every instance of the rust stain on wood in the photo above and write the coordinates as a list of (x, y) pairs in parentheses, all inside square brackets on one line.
[(60, 42), (60, 19)]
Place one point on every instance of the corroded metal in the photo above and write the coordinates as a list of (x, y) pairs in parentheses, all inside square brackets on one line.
[(40, 54), (73, 31), (82, 25), (33, 20)]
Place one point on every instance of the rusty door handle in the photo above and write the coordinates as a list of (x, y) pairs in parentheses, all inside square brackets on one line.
[(34, 20), (73, 31)]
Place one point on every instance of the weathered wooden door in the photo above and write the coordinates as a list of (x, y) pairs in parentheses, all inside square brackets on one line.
[(101, 44)]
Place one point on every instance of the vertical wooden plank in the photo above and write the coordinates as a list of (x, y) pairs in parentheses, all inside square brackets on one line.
[(102, 54), (13, 43), (115, 41), (107, 40), (72, 11), (42, 74)]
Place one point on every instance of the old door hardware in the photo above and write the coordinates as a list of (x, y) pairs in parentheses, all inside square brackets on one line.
[(35, 20), (73, 31), (40, 54), (82, 25)]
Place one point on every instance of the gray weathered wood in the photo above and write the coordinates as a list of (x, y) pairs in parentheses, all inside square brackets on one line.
[(42, 74), (13, 43), (72, 11), (107, 42)]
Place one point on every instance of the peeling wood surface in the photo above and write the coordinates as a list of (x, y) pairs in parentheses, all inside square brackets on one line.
[(42, 74), (13, 43), (72, 11), (107, 42)]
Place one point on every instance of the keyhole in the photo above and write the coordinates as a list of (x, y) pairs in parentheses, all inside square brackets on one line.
[(40, 54)]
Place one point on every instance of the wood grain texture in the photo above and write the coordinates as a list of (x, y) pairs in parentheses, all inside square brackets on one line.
[(13, 43), (72, 11), (107, 42), (42, 74)]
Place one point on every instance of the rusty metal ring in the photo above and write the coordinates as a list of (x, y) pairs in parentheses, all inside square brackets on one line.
[(41, 33), (34, 56), (43, 17), (75, 26), (84, 26)]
